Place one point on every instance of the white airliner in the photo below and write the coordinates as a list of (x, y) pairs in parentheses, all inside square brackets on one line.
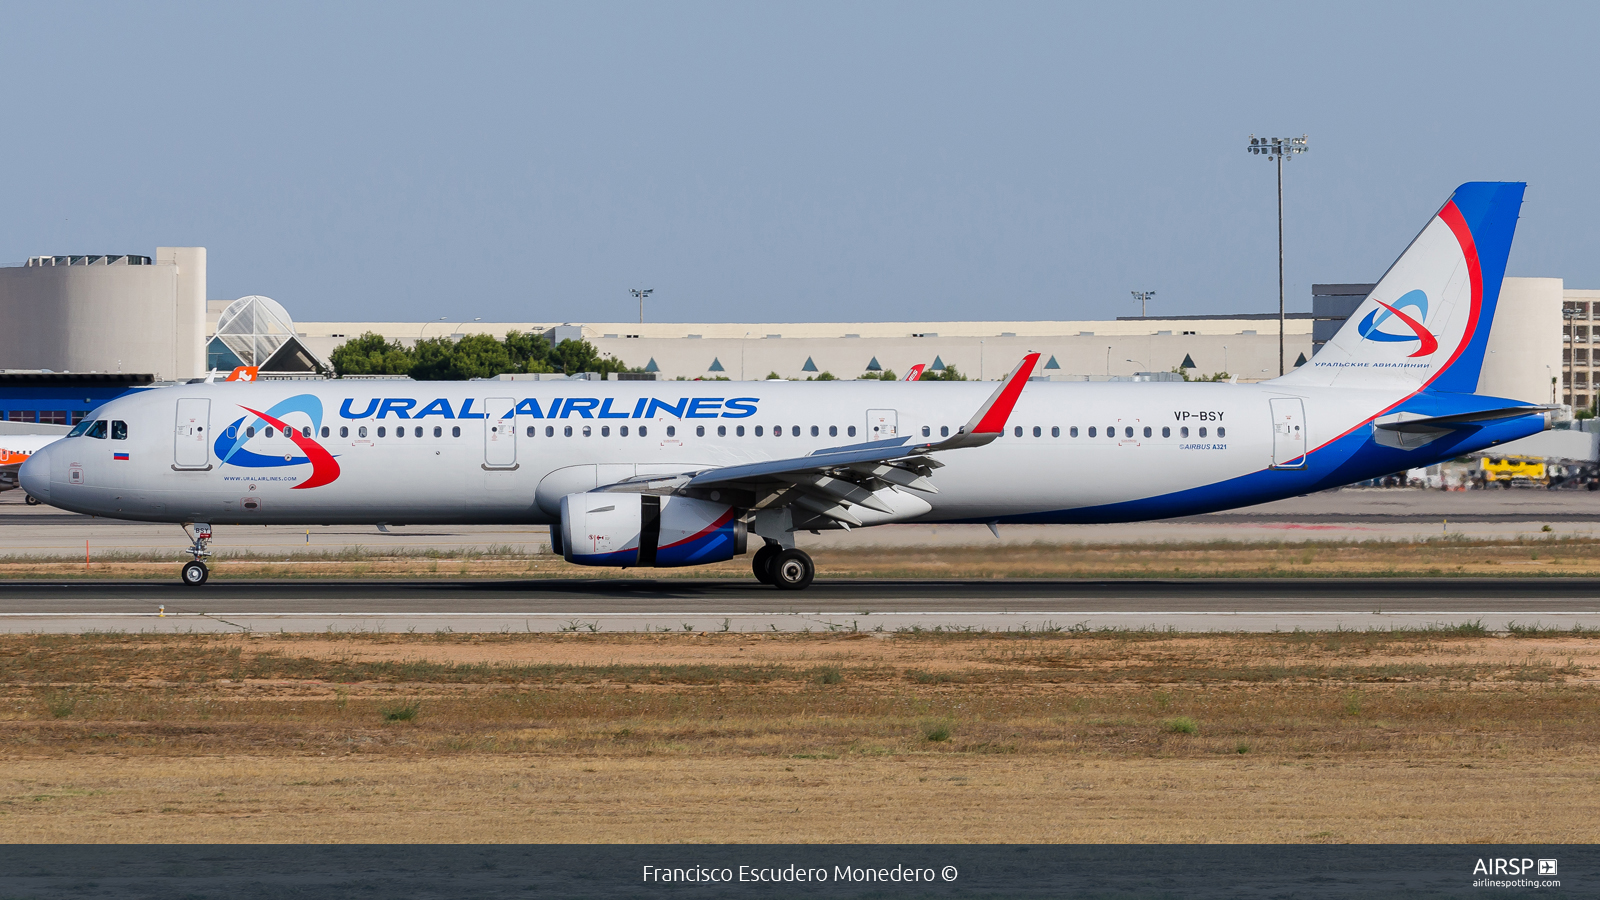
[(678, 473)]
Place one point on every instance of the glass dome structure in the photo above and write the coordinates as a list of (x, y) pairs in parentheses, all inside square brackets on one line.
[(257, 331)]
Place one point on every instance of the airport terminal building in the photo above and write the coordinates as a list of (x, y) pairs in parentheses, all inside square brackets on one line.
[(103, 320)]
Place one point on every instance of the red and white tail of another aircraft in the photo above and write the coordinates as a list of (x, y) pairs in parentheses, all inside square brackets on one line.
[(916, 372), (682, 473)]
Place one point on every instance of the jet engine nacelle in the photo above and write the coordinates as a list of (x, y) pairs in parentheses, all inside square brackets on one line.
[(623, 529)]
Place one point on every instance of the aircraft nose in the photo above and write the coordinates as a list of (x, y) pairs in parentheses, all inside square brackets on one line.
[(34, 475)]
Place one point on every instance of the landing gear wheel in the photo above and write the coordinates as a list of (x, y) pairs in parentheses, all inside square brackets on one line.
[(195, 573), (761, 563), (792, 570), (31, 500)]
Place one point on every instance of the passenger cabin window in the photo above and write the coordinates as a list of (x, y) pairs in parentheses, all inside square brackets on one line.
[(439, 432), (605, 431), (758, 431), (672, 431), (549, 431), (1111, 432), (644, 431), (926, 431), (567, 431), (382, 431), (1147, 431), (1091, 431), (944, 431), (1055, 431), (1202, 431), (1222, 432), (833, 431), (417, 432), (722, 431), (119, 430), (362, 431), (815, 431), (344, 431), (1017, 431), (851, 431), (699, 431), (1073, 432), (1184, 431), (269, 431), (623, 431), (587, 431), (1127, 432), (1037, 431), (533, 431), (794, 430), (1166, 431), (455, 431), (324, 431), (250, 432)]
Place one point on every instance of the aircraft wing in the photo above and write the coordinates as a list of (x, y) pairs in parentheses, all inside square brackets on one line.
[(828, 482)]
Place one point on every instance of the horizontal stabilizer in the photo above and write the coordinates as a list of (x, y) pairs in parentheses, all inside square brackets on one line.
[(1411, 422), (1408, 431)]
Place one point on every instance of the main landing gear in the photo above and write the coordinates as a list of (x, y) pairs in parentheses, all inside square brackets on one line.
[(787, 570), (196, 572)]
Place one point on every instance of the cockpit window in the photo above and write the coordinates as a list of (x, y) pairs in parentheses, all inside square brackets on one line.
[(97, 430), (119, 430), (77, 429)]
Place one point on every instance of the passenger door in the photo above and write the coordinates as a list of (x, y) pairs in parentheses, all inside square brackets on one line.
[(1288, 433), (500, 434), (191, 447), (882, 424)]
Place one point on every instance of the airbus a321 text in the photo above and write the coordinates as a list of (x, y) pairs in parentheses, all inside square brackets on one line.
[(682, 473)]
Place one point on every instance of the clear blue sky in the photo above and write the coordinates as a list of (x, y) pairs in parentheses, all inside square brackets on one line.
[(770, 162)]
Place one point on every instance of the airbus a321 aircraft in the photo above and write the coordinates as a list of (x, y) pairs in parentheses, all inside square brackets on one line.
[(680, 473)]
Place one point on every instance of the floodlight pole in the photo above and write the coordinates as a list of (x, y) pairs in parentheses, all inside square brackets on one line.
[(1279, 149), (1144, 302), (641, 294)]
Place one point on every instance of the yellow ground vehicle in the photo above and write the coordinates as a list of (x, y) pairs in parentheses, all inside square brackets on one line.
[(1509, 469)]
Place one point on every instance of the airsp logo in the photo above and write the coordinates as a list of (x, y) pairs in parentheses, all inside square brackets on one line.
[(1501, 866)]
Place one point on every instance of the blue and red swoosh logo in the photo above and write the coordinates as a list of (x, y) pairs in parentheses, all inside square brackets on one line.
[(1371, 327), (324, 468)]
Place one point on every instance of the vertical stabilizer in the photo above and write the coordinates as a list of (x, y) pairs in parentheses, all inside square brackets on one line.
[(1426, 324)]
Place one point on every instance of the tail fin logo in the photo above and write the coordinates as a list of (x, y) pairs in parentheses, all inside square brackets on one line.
[(1371, 327)]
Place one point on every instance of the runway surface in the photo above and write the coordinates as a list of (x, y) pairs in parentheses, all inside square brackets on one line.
[(1342, 515), (629, 605)]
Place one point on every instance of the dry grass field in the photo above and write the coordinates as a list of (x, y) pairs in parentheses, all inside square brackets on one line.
[(1443, 736), (1533, 555)]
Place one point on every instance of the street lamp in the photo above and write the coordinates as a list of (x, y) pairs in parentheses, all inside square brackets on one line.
[(1144, 300), (1279, 149), (1571, 315), (425, 328), (641, 294)]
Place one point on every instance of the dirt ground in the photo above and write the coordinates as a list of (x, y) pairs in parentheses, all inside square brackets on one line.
[(1532, 555), (1447, 736)]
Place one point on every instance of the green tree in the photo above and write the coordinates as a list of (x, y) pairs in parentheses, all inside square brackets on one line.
[(949, 374), (824, 376), (370, 354), (885, 375), (573, 357), (434, 359), (529, 352)]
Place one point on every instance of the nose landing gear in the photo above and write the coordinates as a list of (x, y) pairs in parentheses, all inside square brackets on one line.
[(196, 572)]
